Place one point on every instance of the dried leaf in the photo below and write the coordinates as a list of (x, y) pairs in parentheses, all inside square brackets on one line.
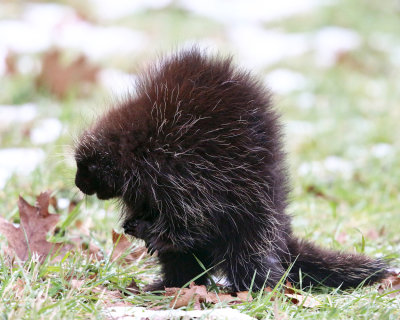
[(244, 296), (390, 284), (199, 294), (88, 249), (133, 287), (11, 63), (375, 234), (279, 315), (296, 298), (59, 78), (342, 237), (289, 288), (108, 297), (304, 301), (30, 237), (122, 245), (19, 287)]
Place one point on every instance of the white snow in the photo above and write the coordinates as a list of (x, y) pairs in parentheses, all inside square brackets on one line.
[(44, 26), (259, 47), (23, 37), (3, 57), (46, 130), (10, 114), (238, 11), (284, 81), (49, 15), (27, 64), (382, 150), (138, 313), (328, 168), (18, 160), (99, 42), (330, 41), (299, 128), (118, 83), (117, 9), (306, 100), (63, 203)]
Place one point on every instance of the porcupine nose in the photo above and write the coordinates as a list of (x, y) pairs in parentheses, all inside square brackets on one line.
[(130, 227)]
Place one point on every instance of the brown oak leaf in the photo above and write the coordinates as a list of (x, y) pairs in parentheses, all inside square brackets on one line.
[(121, 246), (60, 78), (297, 298), (304, 301), (391, 284), (30, 236), (108, 297), (199, 294)]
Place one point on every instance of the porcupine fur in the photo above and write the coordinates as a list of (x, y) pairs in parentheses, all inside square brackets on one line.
[(196, 158)]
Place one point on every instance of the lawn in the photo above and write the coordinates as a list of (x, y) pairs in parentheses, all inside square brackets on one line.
[(334, 70)]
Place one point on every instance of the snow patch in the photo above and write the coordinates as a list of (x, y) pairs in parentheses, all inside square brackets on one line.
[(11, 114), (27, 64), (99, 42), (238, 11), (331, 41), (112, 10), (118, 83), (138, 313), (18, 160), (3, 58), (47, 130), (382, 150), (49, 15), (44, 26), (328, 168), (24, 37), (259, 47), (306, 100), (284, 81)]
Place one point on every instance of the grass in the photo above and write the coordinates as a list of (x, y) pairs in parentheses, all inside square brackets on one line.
[(354, 108)]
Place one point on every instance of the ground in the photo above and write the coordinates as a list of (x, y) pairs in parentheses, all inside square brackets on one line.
[(333, 68)]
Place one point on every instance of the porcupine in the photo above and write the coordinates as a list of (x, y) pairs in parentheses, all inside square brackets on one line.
[(196, 159)]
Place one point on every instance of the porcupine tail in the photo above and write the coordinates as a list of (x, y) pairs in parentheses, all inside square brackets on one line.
[(313, 265)]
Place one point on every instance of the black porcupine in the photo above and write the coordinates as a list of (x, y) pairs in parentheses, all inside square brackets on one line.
[(196, 159)]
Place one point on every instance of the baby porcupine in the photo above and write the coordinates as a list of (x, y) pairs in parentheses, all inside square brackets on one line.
[(196, 158)]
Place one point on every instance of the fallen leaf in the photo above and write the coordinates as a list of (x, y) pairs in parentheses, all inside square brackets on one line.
[(199, 294), (279, 315), (108, 297), (299, 299), (304, 301), (244, 296), (121, 246), (59, 78), (289, 288), (30, 236), (375, 234), (88, 248), (390, 284), (133, 287), (19, 287), (342, 237), (319, 193), (11, 63), (183, 297)]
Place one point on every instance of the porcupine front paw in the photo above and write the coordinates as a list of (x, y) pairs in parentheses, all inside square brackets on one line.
[(155, 286), (154, 244), (137, 228)]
